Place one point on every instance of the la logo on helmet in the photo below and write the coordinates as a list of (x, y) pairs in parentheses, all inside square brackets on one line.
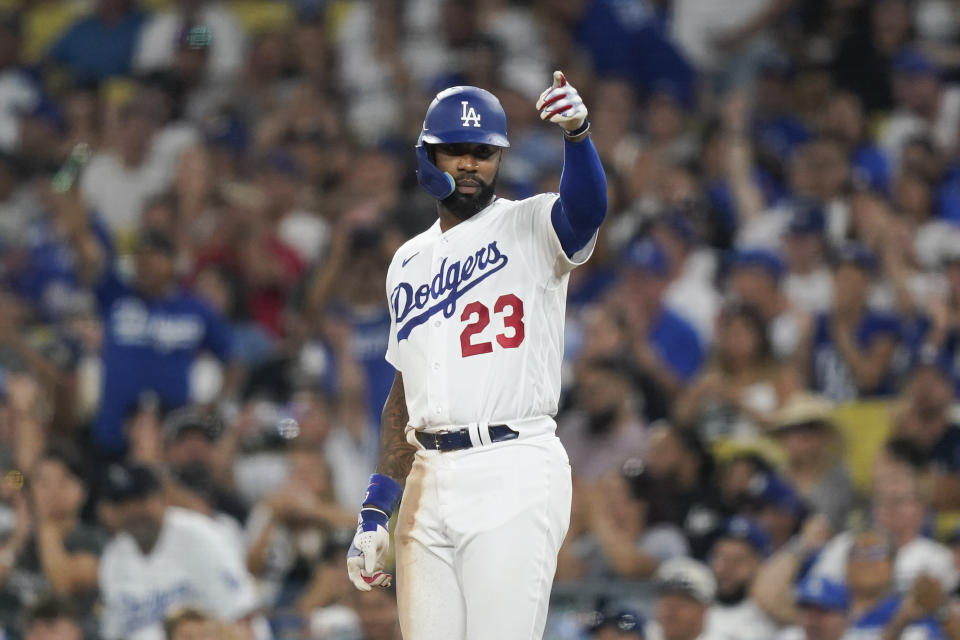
[(468, 116)]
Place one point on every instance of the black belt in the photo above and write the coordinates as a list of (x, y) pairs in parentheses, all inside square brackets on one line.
[(453, 440)]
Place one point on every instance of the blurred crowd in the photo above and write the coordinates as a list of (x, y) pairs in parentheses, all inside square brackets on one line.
[(198, 204)]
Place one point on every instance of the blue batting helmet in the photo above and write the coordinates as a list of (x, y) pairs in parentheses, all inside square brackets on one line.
[(458, 114)]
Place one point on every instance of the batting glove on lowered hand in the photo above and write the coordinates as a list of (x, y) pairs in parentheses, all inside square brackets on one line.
[(562, 105), (365, 558)]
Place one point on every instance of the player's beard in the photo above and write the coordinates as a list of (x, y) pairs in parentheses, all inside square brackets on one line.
[(467, 205)]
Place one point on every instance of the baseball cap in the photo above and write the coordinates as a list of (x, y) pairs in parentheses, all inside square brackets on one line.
[(914, 63), (282, 162), (857, 255), (776, 64), (688, 577), (758, 258), (770, 489), (807, 217), (822, 593), (623, 620), (124, 481), (156, 240), (186, 420), (749, 531), (646, 255)]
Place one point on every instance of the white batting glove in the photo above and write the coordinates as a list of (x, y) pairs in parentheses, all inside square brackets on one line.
[(368, 551), (562, 105)]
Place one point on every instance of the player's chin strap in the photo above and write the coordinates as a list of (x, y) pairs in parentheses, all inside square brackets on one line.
[(438, 184)]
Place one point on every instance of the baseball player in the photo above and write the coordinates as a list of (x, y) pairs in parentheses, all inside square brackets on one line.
[(468, 438)]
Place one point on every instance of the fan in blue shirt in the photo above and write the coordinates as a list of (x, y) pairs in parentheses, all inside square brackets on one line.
[(853, 347), (101, 45), (670, 351), (153, 332)]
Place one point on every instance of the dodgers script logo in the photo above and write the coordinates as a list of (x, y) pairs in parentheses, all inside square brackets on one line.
[(444, 289), (466, 117)]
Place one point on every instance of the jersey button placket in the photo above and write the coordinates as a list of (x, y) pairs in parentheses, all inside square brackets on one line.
[(436, 344)]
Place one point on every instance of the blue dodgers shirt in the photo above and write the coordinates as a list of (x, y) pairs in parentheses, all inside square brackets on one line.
[(676, 342), (95, 50), (831, 374), (626, 38), (150, 345)]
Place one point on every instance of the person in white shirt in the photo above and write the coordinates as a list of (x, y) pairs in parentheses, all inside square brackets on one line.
[(735, 558), (686, 590), (899, 510), (162, 558), (157, 45), (926, 106)]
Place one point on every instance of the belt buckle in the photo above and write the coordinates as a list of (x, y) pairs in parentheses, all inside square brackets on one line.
[(436, 439)]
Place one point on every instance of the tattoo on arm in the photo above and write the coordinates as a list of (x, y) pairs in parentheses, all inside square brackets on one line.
[(396, 454)]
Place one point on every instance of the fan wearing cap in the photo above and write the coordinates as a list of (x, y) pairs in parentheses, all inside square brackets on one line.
[(822, 607), (754, 277), (154, 332), (851, 353), (813, 448), (666, 347), (734, 560), (623, 624), (926, 105), (164, 557), (898, 509), (808, 283), (685, 591), (777, 507)]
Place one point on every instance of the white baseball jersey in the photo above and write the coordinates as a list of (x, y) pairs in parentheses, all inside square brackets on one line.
[(477, 316), (191, 565)]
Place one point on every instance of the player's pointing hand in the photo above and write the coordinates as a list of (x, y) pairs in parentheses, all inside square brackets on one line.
[(562, 105)]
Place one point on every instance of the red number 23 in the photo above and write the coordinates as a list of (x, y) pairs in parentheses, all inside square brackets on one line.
[(513, 321)]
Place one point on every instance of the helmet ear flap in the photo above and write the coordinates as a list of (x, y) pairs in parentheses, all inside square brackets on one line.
[(437, 183)]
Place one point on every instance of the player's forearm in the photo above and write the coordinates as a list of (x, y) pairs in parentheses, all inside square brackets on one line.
[(583, 195), (396, 454)]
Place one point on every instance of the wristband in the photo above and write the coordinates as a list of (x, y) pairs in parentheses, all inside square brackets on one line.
[(370, 518), (383, 493), (579, 131)]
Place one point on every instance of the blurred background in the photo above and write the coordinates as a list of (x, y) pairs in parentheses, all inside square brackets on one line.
[(198, 204)]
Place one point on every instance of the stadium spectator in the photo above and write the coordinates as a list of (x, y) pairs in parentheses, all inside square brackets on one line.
[(686, 590), (822, 611), (665, 346), (100, 45), (611, 536), (736, 394), (288, 530), (156, 47), (52, 618), (164, 557), (604, 430), (676, 485), (813, 448), (852, 348), (734, 560), (154, 332)]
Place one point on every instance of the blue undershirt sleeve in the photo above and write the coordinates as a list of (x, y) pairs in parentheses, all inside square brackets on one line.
[(582, 205)]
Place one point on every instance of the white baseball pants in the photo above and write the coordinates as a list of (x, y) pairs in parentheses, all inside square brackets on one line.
[(477, 537)]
